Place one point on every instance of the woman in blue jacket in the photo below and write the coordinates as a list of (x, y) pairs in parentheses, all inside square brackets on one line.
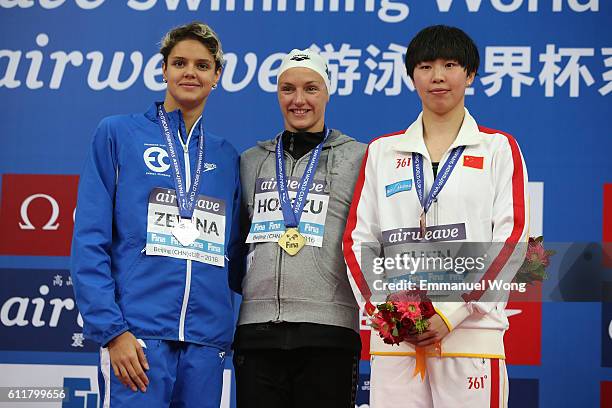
[(156, 237)]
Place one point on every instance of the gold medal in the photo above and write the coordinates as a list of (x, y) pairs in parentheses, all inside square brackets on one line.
[(292, 241)]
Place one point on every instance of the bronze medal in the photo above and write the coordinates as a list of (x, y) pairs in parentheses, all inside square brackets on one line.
[(423, 224)]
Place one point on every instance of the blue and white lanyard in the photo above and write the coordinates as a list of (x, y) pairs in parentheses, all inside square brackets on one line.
[(440, 180), (186, 201), (293, 213)]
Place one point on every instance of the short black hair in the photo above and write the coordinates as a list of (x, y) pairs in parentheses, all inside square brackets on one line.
[(440, 41)]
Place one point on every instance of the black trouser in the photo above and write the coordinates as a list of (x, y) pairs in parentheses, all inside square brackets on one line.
[(304, 377)]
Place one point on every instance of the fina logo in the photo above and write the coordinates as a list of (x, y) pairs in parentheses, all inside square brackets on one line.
[(154, 159)]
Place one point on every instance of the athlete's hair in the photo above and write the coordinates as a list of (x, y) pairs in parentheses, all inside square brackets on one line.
[(440, 41), (193, 31)]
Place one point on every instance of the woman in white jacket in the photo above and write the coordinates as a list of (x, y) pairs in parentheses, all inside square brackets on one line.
[(444, 179)]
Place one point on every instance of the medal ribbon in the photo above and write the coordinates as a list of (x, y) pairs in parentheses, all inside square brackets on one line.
[(186, 200), (293, 213), (440, 180)]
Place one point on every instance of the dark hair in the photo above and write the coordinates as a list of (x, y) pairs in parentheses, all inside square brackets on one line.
[(193, 31), (440, 41)]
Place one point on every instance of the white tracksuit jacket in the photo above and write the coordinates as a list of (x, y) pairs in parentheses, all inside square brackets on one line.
[(485, 197)]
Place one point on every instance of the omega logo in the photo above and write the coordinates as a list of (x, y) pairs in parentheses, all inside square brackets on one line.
[(154, 159), (51, 224)]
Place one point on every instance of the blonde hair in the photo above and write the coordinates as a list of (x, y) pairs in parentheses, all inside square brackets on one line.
[(195, 30)]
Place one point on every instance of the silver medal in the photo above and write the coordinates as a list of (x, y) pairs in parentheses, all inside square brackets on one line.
[(185, 232)]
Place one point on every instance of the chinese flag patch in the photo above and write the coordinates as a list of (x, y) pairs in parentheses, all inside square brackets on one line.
[(476, 162)]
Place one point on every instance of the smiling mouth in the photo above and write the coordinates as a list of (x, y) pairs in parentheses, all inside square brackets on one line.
[(299, 112)]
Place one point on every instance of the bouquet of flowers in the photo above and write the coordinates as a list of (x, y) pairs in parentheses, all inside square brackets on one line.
[(404, 313), (536, 261)]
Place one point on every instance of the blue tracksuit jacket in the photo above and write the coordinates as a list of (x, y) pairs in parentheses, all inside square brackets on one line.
[(117, 286)]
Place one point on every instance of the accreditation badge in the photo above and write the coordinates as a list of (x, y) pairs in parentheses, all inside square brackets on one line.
[(200, 239), (267, 224)]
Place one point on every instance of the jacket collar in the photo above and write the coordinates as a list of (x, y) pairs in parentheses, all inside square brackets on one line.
[(151, 113), (335, 138), (174, 117), (412, 139)]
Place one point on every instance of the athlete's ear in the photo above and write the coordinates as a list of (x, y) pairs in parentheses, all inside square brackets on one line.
[(470, 79), (218, 75)]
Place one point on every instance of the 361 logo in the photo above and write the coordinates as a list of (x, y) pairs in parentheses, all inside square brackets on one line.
[(476, 383), (37, 214), (402, 162)]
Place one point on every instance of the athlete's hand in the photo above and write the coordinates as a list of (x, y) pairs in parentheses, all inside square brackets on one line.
[(436, 331), (128, 360)]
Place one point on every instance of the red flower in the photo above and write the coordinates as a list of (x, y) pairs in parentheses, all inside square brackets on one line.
[(427, 309), (403, 315), (536, 253)]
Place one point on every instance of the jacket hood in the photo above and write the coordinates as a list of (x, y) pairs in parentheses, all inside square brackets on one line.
[(336, 138)]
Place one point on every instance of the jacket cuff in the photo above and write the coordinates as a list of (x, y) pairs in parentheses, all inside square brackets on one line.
[(452, 313), (108, 337)]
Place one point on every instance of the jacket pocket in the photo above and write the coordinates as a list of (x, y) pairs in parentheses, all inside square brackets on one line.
[(124, 281), (260, 279), (332, 271)]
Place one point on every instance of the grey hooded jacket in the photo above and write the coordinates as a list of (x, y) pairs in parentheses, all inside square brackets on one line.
[(311, 286)]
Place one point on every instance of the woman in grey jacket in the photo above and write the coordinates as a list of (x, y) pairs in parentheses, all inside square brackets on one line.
[(297, 343)]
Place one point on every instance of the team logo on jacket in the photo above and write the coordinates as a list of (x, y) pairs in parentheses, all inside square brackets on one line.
[(403, 185), (156, 159)]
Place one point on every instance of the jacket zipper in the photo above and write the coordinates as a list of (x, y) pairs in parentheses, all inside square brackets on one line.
[(188, 266), (434, 204), (279, 249)]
